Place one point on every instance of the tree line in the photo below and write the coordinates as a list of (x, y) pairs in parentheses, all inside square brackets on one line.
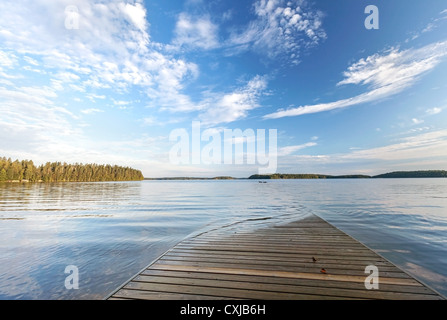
[(25, 170), (398, 174), (415, 174)]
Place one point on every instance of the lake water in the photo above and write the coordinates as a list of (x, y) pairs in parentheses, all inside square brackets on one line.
[(110, 231)]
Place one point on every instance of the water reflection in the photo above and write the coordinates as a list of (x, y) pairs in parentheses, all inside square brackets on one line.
[(111, 230)]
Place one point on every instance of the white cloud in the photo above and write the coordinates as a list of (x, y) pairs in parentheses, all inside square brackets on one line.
[(385, 74), (281, 28), (137, 15), (31, 61), (149, 121), (434, 111), (31, 123), (7, 59), (6, 82), (419, 129), (91, 111), (432, 144), (363, 98), (229, 107), (29, 68), (395, 66), (77, 88), (96, 96), (196, 32), (434, 24), (285, 151), (170, 80), (36, 95), (121, 103), (227, 15), (67, 77), (417, 121)]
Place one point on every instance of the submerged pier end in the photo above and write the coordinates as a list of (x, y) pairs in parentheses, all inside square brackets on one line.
[(307, 259)]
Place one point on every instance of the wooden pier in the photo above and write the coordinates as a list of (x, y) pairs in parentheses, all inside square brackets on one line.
[(307, 259)]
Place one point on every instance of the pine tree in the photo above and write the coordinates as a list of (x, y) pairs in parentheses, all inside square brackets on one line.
[(3, 175)]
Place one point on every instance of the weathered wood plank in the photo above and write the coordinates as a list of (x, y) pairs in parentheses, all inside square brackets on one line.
[(226, 292), (286, 288), (288, 281), (285, 274)]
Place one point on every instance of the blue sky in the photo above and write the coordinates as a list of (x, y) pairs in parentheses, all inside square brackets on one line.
[(109, 81)]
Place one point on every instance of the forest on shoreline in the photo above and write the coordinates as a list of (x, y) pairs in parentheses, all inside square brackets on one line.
[(26, 171)]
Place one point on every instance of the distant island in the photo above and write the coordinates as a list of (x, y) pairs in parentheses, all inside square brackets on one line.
[(26, 171), (414, 174), (397, 174)]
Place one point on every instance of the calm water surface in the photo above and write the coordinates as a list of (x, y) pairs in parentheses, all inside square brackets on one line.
[(110, 231)]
